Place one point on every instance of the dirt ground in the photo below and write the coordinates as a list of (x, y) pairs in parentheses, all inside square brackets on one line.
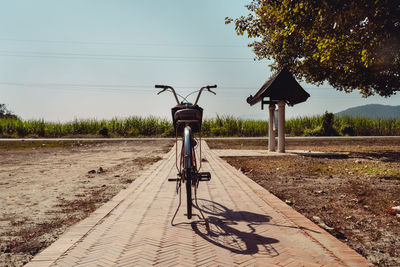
[(47, 187), (347, 195)]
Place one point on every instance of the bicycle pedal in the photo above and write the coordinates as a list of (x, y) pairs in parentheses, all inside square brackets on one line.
[(173, 179), (204, 176)]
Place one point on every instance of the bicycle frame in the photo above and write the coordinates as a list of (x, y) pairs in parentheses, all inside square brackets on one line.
[(181, 163), (188, 115), (166, 88)]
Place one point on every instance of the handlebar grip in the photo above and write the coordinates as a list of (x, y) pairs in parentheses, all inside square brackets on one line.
[(159, 86), (212, 86)]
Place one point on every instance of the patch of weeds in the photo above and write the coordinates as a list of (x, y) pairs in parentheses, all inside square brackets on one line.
[(30, 239), (87, 204), (146, 160), (371, 170), (382, 172), (359, 187), (127, 181), (166, 148), (377, 235), (18, 222), (319, 169), (7, 217)]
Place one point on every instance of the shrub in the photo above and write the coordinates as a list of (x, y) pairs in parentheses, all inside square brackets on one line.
[(169, 132), (347, 130), (318, 131), (104, 132), (133, 133), (326, 127), (219, 131), (327, 124)]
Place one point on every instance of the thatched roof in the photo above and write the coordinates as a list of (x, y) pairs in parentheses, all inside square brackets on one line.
[(281, 86)]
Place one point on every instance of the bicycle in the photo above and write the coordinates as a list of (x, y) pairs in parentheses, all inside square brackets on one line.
[(187, 119)]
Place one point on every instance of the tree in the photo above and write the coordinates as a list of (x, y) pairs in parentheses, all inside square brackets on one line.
[(354, 45), (5, 113), (327, 124), (326, 128)]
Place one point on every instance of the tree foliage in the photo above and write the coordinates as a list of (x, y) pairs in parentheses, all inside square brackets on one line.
[(5, 113), (354, 45)]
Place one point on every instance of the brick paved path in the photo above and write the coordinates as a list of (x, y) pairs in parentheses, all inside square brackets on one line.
[(248, 226)]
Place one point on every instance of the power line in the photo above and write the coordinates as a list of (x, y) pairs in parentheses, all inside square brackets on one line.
[(130, 88), (122, 57), (118, 55), (81, 89), (74, 85), (120, 87), (120, 43), (103, 89)]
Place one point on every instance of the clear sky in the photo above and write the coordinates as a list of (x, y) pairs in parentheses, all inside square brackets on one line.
[(67, 59)]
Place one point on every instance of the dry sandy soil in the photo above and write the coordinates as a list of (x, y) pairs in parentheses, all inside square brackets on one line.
[(348, 195), (47, 187)]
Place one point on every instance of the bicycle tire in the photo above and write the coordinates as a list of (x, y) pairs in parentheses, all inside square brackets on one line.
[(188, 168)]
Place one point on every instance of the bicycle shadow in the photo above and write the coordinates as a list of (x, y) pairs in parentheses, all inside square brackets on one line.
[(234, 230)]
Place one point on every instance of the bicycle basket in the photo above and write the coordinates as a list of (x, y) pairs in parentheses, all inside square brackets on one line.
[(191, 115)]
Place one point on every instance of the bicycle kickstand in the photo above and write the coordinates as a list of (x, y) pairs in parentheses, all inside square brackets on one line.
[(179, 188)]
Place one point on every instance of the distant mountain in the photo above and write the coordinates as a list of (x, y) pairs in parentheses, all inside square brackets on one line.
[(372, 111)]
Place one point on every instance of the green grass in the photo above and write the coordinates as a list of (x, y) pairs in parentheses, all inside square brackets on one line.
[(383, 172), (160, 127)]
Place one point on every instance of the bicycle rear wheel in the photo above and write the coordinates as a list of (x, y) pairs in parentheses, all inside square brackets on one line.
[(188, 168)]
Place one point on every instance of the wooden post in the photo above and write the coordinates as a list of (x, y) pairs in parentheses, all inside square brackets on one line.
[(281, 127), (271, 133)]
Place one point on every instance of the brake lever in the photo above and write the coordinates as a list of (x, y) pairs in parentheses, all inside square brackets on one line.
[(161, 91), (212, 92)]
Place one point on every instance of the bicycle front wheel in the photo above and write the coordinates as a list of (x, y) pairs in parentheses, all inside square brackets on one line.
[(188, 168)]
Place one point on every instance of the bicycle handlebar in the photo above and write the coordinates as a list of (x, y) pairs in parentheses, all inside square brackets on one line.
[(208, 87), (166, 87)]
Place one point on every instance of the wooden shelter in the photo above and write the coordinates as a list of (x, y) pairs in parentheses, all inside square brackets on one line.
[(282, 88)]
